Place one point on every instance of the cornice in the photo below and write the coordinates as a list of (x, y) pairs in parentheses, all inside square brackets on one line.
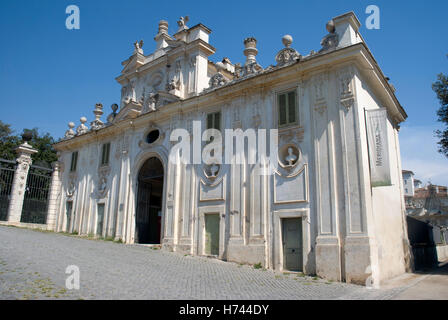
[(298, 71)]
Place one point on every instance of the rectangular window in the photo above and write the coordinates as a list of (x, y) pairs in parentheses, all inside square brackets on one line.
[(105, 154), (287, 109), (214, 120), (74, 162)]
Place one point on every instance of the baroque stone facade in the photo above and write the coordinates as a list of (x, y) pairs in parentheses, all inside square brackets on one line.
[(316, 212)]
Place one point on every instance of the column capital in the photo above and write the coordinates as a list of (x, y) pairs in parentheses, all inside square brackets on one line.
[(24, 152)]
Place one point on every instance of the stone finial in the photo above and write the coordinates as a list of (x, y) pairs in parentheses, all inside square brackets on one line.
[(25, 150), (331, 40), (330, 26), (70, 133), (287, 40), (287, 54), (250, 51), (98, 112), (163, 27), (111, 117), (27, 136), (82, 128), (182, 23), (251, 65), (162, 37)]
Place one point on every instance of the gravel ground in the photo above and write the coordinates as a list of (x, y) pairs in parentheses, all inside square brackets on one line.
[(33, 266)]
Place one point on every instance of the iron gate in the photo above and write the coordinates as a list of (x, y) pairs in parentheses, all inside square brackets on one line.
[(35, 203), (7, 168)]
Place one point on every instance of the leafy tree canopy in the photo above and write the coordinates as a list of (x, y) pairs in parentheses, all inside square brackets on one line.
[(440, 87), (41, 142)]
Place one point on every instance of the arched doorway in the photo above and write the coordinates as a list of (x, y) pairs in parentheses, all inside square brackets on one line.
[(149, 202)]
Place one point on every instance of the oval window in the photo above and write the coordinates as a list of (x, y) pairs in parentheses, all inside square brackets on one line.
[(152, 136)]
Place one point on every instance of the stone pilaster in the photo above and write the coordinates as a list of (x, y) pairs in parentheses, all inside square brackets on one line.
[(24, 152), (54, 196)]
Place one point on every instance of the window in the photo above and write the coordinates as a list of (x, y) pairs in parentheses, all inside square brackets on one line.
[(74, 161), (153, 136), (287, 109), (105, 154), (214, 120)]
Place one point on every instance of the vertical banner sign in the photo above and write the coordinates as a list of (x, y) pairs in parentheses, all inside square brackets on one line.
[(376, 123)]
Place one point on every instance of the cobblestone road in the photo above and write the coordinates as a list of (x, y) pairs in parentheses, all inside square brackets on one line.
[(33, 264)]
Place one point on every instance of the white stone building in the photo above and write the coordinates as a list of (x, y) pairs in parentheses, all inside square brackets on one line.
[(319, 212), (408, 183)]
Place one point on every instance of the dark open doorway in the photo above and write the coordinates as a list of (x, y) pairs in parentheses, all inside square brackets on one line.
[(149, 202)]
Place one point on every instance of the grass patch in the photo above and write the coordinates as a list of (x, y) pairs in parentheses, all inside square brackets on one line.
[(258, 265)]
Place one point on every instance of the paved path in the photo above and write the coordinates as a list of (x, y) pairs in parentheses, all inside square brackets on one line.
[(432, 286), (33, 265)]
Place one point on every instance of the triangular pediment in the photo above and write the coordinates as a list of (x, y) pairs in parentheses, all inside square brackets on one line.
[(133, 63), (131, 110)]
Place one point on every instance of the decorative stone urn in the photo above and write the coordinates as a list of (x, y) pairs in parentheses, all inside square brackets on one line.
[(250, 50)]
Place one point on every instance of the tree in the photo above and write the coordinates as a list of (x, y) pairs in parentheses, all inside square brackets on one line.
[(440, 87), (42, 143), (7, 142)]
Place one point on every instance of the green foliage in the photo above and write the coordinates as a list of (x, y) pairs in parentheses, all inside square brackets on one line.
[(258, 265), (42, 142), (440, 87), (7, 142)]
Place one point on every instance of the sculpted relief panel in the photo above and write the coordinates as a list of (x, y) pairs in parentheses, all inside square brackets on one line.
[(293, 188)]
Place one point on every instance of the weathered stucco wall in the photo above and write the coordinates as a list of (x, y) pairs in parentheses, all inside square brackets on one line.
[(350, 231)]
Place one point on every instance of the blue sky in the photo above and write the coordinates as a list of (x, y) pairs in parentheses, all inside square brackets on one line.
[(50, 75)]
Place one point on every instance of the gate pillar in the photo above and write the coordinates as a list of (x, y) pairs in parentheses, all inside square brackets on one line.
[(24, 152), (54, 196)]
